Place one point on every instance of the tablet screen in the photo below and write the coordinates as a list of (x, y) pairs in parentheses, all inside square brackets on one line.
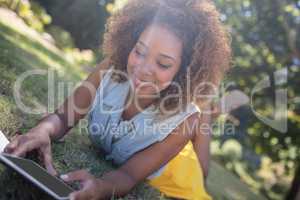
[(41, 175)]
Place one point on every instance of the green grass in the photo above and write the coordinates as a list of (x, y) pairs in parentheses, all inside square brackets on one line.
[(20, 50)]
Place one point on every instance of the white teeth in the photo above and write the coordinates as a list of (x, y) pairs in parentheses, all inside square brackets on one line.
[(144, 81), (139, 82), (147, 81)]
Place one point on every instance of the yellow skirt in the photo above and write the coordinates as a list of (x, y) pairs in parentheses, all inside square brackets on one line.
[(182, 177)]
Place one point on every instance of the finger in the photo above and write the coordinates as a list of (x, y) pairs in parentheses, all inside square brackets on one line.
[(48, 162), (12, 145), (24, 147), (79, 195), (15, 136), (80, 175)]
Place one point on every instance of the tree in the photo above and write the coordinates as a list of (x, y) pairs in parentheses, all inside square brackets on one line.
[(83, 19)]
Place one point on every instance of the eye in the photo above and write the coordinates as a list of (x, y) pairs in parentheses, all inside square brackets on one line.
[(138, 52), (164, 66)]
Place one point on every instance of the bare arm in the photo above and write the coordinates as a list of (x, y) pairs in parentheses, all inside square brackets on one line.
[(144, 163), (201, 140), (76, 105), (202, 124)]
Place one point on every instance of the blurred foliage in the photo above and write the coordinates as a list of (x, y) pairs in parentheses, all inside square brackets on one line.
[(115, 5), (91, 15), (31, 12), (265, 40), (63, 39)]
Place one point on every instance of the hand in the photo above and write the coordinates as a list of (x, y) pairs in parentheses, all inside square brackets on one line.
[(90, 186), (37, 138)]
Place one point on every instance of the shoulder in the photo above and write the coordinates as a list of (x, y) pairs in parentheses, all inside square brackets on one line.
[(184, 122), (190, 125), (97, 74)]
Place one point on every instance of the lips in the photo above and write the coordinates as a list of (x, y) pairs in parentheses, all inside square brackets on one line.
[(137, 82)]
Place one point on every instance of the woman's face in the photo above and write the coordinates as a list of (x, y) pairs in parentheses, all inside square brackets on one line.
[(154, 60)]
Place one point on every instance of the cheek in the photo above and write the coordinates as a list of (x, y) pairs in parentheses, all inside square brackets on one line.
[(132, 62), (165, 79)]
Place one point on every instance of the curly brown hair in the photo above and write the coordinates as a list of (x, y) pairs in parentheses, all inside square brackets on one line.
[(206, 45)]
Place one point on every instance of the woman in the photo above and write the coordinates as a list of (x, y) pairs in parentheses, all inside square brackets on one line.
[(161, 58)]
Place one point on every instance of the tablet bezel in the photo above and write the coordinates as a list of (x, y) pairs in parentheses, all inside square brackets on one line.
[(31, 178)]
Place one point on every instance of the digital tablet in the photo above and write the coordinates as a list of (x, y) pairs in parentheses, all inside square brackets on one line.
[(3, 141), (38, 176)]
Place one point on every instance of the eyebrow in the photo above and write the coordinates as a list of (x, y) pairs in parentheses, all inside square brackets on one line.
[(167, 56)]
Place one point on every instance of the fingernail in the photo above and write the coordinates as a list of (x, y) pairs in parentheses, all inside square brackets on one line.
[(71, 197), (64, 177)]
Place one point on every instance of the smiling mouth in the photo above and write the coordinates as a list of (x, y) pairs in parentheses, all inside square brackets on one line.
[(138, 81)]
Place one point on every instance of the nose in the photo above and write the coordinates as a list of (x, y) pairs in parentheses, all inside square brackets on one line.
[(147, 69)]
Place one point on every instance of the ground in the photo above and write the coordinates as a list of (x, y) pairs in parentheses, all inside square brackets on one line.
[(23, 49)]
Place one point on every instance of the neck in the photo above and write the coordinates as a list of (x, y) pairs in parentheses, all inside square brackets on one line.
[(144, 102), (140, 102)]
